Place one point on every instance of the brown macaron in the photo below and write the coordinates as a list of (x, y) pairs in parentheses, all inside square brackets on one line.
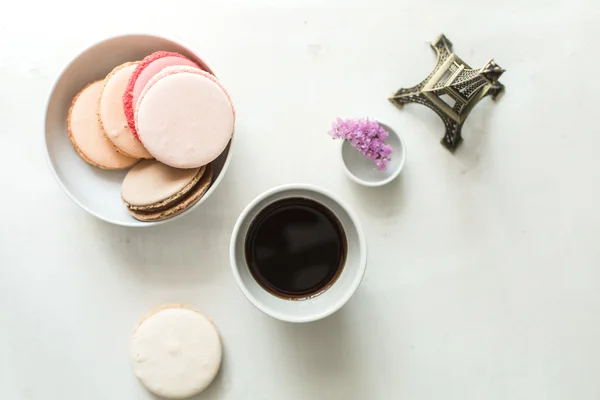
[(153, 191), (86, 135)]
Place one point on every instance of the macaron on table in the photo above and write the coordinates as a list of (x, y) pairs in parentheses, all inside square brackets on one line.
[(134, 165), (190, 360)]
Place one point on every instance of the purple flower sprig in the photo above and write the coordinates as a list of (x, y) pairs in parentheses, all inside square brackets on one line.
[(367, 136)]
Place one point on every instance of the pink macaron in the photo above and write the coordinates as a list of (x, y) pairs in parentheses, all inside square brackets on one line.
[(184, 117), (146, 69)]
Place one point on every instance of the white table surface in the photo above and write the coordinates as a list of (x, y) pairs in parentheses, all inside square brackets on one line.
[(483, 280)]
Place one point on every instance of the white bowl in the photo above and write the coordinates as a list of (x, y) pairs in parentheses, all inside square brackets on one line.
[(325, 303), (364, 171), (95, 190)]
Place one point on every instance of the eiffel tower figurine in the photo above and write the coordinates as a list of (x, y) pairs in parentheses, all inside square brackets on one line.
[(452, 90)]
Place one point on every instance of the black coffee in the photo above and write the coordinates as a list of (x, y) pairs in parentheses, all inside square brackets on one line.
[(295, 248)]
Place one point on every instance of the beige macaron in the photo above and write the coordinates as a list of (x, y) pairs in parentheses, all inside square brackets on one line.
[(86, 135), (176, 351), (153, 191), (111, 115)]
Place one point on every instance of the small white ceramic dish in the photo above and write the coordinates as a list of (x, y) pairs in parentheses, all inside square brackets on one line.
[(95, 190), (364, 171), (331, 299)]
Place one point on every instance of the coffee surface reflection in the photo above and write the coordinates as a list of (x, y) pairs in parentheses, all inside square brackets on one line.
[(295, 248)]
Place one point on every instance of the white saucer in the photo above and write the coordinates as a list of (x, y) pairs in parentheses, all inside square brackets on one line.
[(363, 170)]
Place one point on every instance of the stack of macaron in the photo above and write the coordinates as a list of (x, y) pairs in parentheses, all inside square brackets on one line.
[(164, 110)]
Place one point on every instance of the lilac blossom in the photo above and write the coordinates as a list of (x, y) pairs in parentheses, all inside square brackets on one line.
[(367, 136)]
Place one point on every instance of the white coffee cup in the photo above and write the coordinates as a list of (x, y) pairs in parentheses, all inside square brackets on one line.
[(325, 303)]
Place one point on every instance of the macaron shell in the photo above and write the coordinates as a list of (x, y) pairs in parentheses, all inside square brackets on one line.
[(176, 351), (145, 70), (85, 133), (154, 68), (150, 182), (193, 196), (151, 185), (111, 115), (184, 117)]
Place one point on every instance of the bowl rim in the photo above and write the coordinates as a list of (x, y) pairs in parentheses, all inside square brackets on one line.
[(356, 280), (134, 223), (381, 182)]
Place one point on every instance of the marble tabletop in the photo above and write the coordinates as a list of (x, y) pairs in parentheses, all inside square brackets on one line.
[(483, 276)]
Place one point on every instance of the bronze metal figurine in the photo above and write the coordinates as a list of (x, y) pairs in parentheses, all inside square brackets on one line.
[(452, 90)]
